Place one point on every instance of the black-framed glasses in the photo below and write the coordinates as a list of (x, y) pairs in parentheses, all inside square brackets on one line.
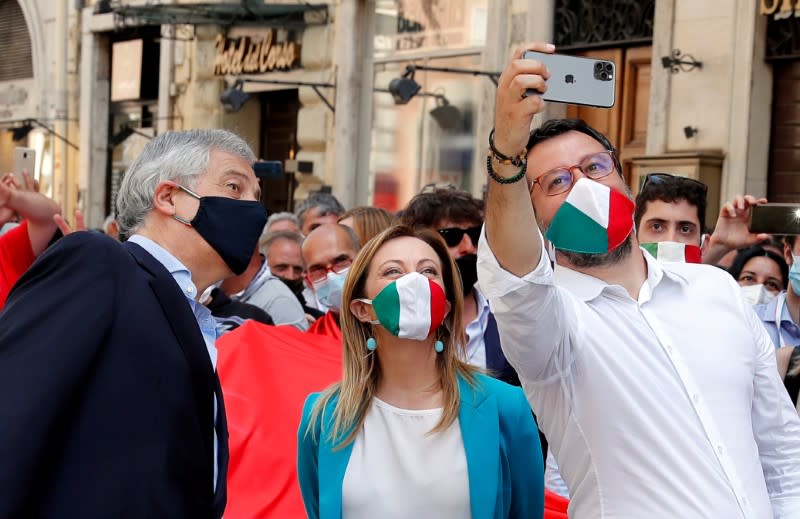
[(560, 180), (666, 178), (453, 235)]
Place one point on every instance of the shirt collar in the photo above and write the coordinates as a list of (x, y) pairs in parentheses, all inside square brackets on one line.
[(767, 311), (179, 272), (587, 287)]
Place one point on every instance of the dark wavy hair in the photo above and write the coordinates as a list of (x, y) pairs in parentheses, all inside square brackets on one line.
[(556, 127), (755, 251)]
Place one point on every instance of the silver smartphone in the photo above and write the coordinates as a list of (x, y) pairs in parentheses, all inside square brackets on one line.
[(576, 80), (24, 158)]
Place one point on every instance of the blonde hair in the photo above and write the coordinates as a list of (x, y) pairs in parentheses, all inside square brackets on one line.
[(361, 370), (368, 222)]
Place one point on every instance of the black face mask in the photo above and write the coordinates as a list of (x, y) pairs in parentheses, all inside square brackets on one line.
[(468, 267), (296, 286), (232, 227)]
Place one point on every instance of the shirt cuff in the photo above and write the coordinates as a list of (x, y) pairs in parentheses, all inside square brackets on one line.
[(495, 281)]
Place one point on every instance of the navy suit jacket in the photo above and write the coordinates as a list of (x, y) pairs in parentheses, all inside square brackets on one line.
[(107, 390)]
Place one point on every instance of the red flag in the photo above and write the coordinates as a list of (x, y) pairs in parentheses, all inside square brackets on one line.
[(266, 374)]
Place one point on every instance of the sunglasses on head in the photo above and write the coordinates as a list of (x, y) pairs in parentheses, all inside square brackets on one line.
[(666, 178), (453, 235)]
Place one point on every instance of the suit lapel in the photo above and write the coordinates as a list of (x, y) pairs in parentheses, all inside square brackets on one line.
[(479, 423), (187, 332)]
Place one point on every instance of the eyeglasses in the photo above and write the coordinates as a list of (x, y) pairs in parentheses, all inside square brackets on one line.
[(560, 180), (317, 274), (453, 235), (666, 178)]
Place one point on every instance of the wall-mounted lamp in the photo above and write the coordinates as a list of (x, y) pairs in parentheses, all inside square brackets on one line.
[(676, 62), (233, 97), (689, 131), (447, 116), (404, 88), (20, 132)]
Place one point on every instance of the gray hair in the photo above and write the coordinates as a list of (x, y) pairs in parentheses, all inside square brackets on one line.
[(326, 204), (178, 156), (272, 237), (279, 217)]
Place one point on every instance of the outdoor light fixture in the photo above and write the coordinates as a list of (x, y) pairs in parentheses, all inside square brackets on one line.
[(677, 62), (447, 116), (20, 132), (124, 132), (689, 131), (233, 97), (404, 88)]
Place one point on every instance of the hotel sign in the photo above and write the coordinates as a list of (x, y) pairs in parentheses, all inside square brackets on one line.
[(250, 55)]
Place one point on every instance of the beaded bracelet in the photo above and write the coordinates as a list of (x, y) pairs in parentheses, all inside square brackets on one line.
[(503, 180), (504, 159)]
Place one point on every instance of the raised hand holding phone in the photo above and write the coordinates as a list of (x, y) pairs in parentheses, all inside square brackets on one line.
[(576, 80)]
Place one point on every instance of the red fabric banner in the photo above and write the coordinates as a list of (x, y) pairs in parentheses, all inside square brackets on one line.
[(266, 374)]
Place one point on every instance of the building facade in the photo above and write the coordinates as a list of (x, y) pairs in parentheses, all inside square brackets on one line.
[(310, 89)]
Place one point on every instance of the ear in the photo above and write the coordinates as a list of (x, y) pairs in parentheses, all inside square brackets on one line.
[(360, 311), (787, 254), (163, 198)]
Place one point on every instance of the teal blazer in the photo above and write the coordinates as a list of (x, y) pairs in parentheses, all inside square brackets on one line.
[(501, 441)]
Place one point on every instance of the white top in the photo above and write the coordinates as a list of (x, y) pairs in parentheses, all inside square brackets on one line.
[(671, 403), (399, 471)]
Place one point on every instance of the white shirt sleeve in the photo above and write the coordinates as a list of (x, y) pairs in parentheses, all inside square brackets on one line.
[(776, 426), (533, 315)]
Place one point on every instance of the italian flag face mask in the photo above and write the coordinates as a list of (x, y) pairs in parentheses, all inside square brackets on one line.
[(594, 219), (411, 307), (672, 251)]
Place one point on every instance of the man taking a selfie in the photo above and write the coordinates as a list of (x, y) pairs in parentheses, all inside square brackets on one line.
[(620, 356)]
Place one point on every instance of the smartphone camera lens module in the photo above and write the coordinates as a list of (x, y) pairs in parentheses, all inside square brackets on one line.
[(604, 71)]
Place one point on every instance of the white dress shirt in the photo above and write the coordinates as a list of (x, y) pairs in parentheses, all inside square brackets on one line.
[(476, 346), (669, 406)]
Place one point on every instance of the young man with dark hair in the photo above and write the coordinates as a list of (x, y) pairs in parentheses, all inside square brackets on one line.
[(670, 208), (644, 375), (456, 215)]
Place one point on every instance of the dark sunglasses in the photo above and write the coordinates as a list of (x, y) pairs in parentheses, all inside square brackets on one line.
[(453, 235), (666, 178)]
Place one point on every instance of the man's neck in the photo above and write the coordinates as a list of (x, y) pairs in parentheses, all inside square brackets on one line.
[(630, 272), (201, 277), (793, 304), (235, 284)]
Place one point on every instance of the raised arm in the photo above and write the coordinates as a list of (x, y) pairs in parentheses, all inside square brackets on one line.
[(508, 206), (732, 231), (34, 207)]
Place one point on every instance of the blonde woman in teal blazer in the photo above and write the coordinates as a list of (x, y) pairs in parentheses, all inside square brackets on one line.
[(503, 472)]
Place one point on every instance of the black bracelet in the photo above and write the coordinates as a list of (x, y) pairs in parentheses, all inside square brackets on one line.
[(503, 180), (502, 158)]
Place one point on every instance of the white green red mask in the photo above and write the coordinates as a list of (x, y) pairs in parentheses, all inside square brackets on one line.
[(594, 219), (672, 251), (411, 307)]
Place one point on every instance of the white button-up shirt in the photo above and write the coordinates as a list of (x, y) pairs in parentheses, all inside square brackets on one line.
[(669, 406)]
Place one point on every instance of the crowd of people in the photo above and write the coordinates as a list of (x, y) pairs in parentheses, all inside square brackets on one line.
[(559, 347)]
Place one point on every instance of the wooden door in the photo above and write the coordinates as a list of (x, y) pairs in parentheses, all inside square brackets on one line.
[(783, 182), (278, 142), (625, 124)]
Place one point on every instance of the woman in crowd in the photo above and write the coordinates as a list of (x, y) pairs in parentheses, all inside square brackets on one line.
[(411, 431), (367, 221), (761, 273)]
